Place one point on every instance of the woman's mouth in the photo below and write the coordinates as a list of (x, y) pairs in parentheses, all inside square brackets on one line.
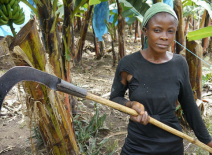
[(162, 45)]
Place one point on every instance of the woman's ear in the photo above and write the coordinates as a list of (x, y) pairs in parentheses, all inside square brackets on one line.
[(145, 31)]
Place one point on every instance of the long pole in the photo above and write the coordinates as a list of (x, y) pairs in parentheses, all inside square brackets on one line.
[(151, 120)]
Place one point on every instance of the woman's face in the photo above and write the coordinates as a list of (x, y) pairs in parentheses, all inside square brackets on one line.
[(160, 32)]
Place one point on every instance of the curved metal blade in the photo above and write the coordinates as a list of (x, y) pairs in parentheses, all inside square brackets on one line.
[(22, 73)]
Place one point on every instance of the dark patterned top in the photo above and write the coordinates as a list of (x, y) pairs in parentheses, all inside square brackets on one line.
[(157, 87)]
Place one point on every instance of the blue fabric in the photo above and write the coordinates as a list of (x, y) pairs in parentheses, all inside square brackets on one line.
[(32, 3), (101, 12), (5, 30), (169, 2)]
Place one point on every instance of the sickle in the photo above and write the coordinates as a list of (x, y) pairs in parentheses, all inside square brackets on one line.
[(18, 74)]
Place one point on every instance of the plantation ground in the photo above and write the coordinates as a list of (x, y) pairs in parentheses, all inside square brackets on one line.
[(94, 75)]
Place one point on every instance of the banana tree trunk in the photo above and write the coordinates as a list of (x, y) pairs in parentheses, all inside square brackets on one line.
[(55, 126), (195, 66), (187, 25), (81, 42), (210, 45), (52, 116), (202, 22), (96, 45), (205, 40), (180, 32), (114, 54), (68, 32), (130, 29), (121, 31), (79, 23), (136, 31), (101, 47)]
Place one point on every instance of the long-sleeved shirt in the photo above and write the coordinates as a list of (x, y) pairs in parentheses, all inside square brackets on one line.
[(157, 87)]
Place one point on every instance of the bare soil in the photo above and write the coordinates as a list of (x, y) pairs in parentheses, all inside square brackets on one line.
[(94, 75)]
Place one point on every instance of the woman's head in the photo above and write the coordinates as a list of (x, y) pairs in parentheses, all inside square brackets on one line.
[(155, 9), (159, 26)]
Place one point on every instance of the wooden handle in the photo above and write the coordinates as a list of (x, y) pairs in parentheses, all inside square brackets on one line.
[(152, 120)]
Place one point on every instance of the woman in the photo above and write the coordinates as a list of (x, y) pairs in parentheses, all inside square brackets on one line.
[(156, 79)]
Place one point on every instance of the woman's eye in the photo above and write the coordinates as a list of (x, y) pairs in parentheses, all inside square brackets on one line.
[(156, 30), (171, 31)]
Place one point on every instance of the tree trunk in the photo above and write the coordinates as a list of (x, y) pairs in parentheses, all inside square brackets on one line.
[(205, 40), (187, 25), (202, 22), (78, 23), (130, 29), (96, 45), (195, 66), (136, 31), (210, 45), (52, 107), (180, 32), (68, 36), (52, 116), (114, 54), (81, 42), (121, 31), (101, 47)]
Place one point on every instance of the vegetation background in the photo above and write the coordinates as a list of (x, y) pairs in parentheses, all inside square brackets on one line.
[(64, 39)]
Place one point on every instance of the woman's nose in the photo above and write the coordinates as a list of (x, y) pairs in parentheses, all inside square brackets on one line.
[(164, 36)]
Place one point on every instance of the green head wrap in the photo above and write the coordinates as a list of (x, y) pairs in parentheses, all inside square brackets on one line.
[(156, 8)]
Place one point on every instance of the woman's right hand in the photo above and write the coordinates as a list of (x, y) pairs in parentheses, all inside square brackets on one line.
[(142, 117)]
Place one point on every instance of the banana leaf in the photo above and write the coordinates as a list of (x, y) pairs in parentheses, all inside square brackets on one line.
[(134, 9), (199, 34), (93, 2)]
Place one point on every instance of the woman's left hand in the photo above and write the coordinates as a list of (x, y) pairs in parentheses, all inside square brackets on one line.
[(210, 144)]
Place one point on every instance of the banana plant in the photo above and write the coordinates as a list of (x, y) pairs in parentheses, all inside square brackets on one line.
[(112, 30), (10, 12)]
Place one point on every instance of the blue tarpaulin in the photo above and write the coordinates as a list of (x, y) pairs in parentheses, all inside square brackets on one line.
[(101, 12), (169, 2)]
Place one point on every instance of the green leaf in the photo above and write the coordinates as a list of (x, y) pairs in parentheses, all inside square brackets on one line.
[(199, 34), (114, 20), (187, 3), (137, 8), (77, 2), (131, 20), (94, 2)]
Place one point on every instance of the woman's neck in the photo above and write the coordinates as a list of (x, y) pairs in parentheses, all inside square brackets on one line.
[(156, 57)]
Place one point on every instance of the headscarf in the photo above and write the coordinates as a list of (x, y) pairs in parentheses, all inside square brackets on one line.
[(156, 8)]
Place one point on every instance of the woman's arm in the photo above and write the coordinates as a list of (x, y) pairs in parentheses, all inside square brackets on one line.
[(143, 117), (190, 109)]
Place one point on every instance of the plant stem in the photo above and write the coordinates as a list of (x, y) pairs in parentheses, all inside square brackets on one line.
[(12, 29)]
